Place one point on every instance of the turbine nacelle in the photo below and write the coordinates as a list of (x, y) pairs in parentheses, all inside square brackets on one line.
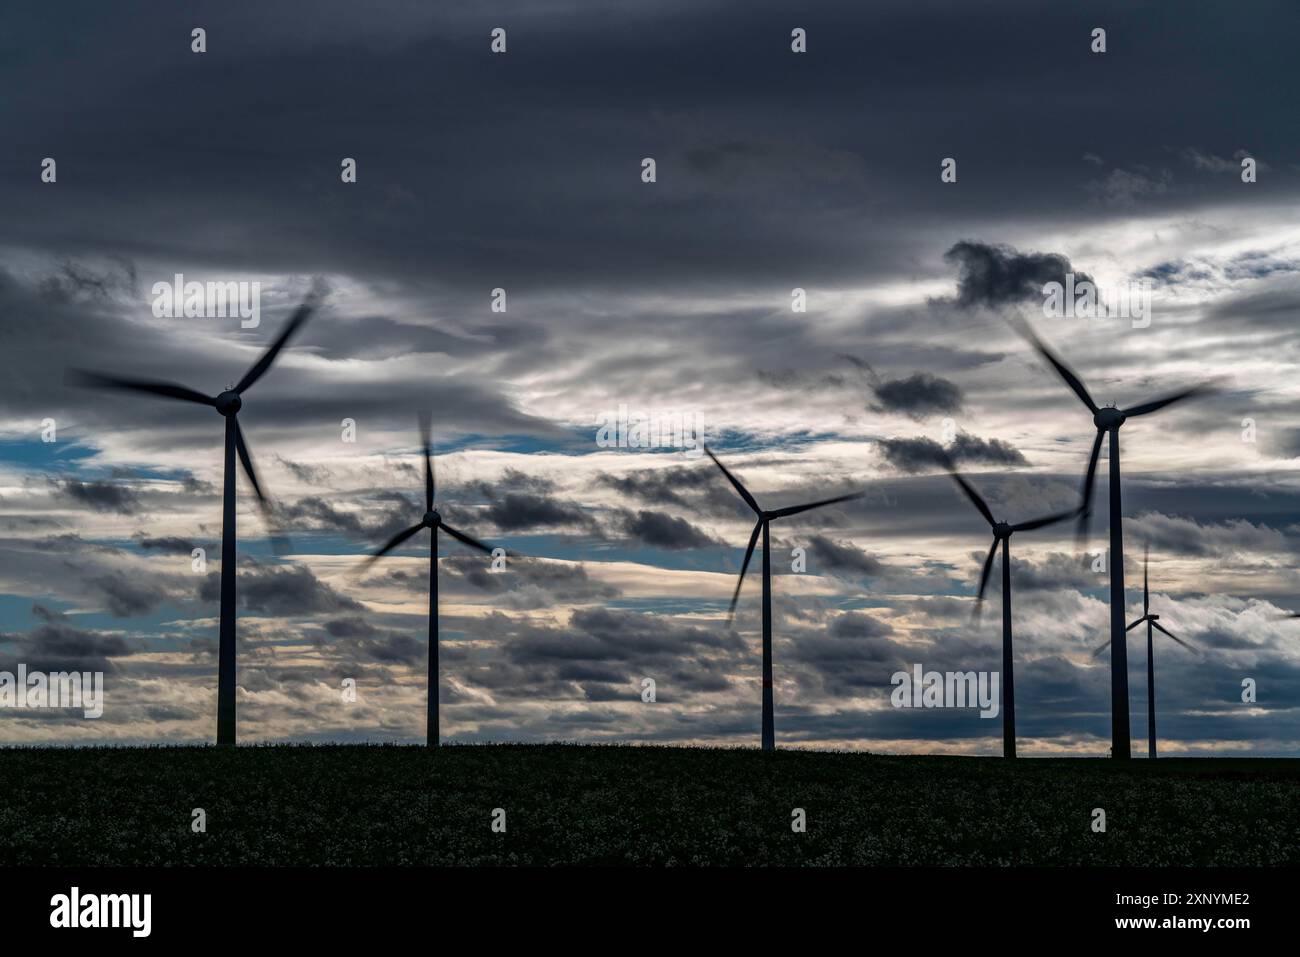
[(228, 402), (1002, 530), (1108, 418), (432, 519)]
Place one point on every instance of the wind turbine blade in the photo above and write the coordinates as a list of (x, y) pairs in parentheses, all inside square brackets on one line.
[(1136, 623), (1146, 582), (984, 575), (300, 315), (974, 496), (170, 390), (1155, 404), (1085, 494), (744, 567), (393, 543), (1064, 371), (1287, 617), (796, 509), (430, 481), (1045, 520), (1102, 648), (465, 539), (1170, 634), (744, 492), (247, 462), (279, 541)]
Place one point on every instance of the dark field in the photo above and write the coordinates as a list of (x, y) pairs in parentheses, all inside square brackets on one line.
[(628, 805)]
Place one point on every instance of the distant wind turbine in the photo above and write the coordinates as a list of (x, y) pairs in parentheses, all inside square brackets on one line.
[(432, 520), (1002, 532), (1109, 420), (764, 518), (1153, 621), (227, 403)]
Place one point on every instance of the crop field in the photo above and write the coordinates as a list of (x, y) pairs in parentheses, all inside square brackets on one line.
[(606, 805)]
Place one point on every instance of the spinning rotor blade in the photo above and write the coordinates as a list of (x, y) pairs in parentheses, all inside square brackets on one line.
[(744, 492), (279, 541), (430, 479), (984, 575), (1161, 628), (1044, 521), (1155, 404), (975, 497), (465, 539), (392, 543), (744, 567), (1065, 372), (1085, 495), (170, 390), (796, 509), (300, 315)]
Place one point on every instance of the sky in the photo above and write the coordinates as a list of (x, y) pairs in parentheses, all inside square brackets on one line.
[(774, 171)]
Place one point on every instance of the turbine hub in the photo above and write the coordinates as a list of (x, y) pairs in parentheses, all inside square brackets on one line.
[(1108, 418), (229, 402), (432, 519), (1002, 529)]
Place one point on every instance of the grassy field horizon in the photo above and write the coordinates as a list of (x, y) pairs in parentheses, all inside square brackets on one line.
[(568, 804)]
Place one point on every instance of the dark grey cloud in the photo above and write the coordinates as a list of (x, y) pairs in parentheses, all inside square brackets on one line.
[(1232, 539), (719, 121), (313, 511), (285, 590), (605, 643), (57, 645), (663, 486), (997, 275), (660, 530), (306, 472), (357, 641), (101, 496), (525, 511), (698, 488), (923, 454), (168, 544), (918, 396), (556, 581), (844, 558), (127, 596)]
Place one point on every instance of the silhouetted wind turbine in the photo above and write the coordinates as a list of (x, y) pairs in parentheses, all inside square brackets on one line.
[(1153, 621), (432, 520), (1002, 532), (764, 518), (1109, 420), (228, 403)]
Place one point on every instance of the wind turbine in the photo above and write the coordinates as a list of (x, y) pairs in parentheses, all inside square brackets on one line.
[(1108, 420), (764, 518), (432, 520), (228, 403), (1002, 532), (1153, 621)]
